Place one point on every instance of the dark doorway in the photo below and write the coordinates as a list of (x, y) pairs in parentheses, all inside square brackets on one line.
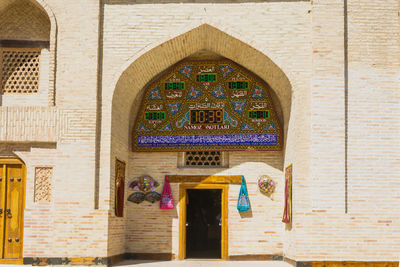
[(203, 223)]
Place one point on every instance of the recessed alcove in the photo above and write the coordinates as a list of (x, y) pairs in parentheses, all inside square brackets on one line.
[(27, 47)]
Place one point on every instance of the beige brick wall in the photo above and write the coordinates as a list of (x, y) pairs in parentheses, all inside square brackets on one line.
[(297, 47), (136, 39), (370, 229), (62, 137), (151, 230)]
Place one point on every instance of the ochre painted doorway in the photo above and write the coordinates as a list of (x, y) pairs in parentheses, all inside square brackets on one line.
[(12, 188), (183, 216)]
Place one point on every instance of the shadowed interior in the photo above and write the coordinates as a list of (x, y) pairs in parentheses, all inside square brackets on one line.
[(203, 223)]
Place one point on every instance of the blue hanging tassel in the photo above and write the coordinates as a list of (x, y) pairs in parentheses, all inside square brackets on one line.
[(243, 203)]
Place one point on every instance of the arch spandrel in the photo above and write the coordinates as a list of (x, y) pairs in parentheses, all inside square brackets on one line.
[(207, 105), (145, 67)]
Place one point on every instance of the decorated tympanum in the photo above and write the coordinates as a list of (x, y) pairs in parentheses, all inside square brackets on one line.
[(207, 105)]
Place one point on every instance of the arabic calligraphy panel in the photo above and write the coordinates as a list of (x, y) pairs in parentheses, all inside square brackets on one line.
[(207, 105)]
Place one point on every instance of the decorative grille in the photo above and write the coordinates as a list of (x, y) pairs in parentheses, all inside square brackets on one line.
[(43, 176), (203, 158), (19, 70)]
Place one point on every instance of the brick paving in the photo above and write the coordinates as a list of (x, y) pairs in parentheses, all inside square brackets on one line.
[(202, 263)]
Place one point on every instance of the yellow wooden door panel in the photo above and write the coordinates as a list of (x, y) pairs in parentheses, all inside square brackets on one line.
[(3, 179), (13, 212)]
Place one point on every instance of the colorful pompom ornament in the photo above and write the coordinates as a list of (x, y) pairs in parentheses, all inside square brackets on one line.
[(266, 185)]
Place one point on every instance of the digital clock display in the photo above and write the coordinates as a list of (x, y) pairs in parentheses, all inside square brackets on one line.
[(258, 114), (174, 86), (206, 116), (239, 85), (157, 116), (207, 77)]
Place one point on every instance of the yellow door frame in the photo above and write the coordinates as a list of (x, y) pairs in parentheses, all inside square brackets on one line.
[(14, 161), (182, 216)]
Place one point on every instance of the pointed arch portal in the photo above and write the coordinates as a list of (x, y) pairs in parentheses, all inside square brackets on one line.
[(143, 68), (135, 82), (207, 105)]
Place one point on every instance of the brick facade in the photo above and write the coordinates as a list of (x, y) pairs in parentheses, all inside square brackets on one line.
[(336, 85)]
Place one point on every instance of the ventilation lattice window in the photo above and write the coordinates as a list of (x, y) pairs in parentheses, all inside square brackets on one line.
[(203, 158), (19, 70)]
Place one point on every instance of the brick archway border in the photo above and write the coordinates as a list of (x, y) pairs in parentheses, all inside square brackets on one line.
[(205, 37), (151, 61), (53, 48)]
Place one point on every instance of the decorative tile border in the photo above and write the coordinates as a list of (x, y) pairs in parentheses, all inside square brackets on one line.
[(108, 261), (68, 261)]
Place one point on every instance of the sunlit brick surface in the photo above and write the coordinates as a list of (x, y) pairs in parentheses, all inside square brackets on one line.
[(99, 68)]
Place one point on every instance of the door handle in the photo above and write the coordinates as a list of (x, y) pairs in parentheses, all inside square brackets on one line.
[(16, 239), (9, 239), (8, 213), (1, 211), (11, 179)]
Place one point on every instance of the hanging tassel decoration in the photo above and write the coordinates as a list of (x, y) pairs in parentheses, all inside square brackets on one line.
[(243, 203), (166, 202), (287, 213)]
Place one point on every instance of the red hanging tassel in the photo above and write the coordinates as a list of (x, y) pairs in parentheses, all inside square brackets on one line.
[(287, 213)]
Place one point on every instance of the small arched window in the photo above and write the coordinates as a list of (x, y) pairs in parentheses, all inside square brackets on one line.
[(24, 54)]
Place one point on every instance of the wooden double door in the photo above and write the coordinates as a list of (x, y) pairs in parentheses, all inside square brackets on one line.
[(12, 188), (186, 224)]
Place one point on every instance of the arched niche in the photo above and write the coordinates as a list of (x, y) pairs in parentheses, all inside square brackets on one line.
[(144, 68), (234, 105), (24, 20), (205, 42), (31, 24)]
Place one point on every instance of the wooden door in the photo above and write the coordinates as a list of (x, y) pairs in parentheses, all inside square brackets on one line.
[(12, 184), (13, 212), (3, 179), (182, 215)]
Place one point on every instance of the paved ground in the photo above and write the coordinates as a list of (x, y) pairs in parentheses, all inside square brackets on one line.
[(202, 263), (186, 263)]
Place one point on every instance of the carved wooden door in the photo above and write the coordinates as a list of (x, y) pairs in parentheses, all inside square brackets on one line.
[(12, 181)]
